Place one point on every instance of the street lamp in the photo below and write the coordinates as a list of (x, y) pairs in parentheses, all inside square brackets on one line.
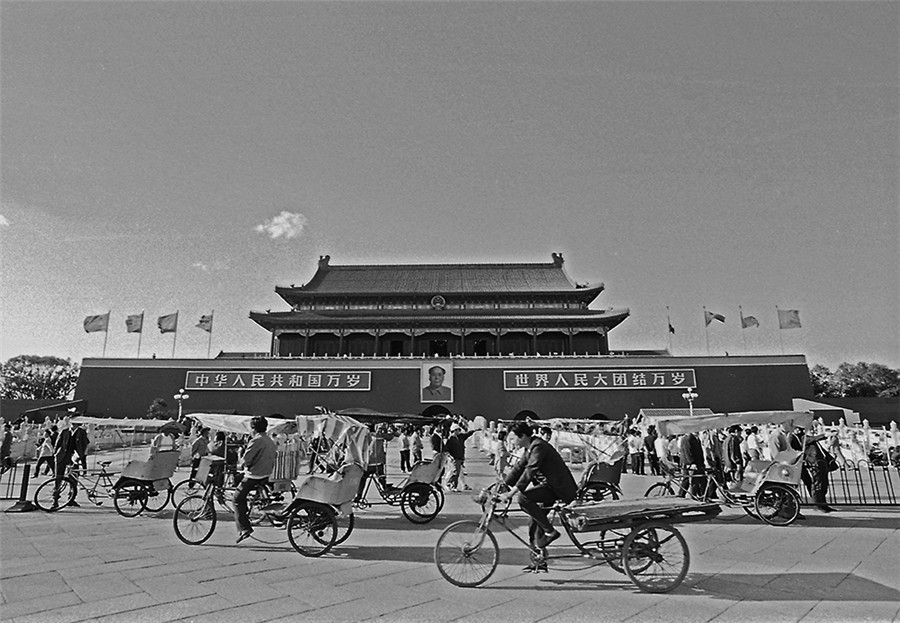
[(690, 395), (180, 397)]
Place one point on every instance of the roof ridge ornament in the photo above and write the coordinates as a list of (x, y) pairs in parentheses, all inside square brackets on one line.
[(557, 259)]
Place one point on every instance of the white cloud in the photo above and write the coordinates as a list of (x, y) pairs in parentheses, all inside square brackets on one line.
[(3, 222), (207, 268), (287, 225)]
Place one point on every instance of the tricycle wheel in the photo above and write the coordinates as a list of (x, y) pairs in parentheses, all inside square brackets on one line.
[(51, 497), (466, 553), (194, 520), (610, 547), (660, 489), (597, 492), (345, 522), (656, 557), (420, 503), (750, 510), (158, 500), (130, 500), (312, 529), (777, 504)]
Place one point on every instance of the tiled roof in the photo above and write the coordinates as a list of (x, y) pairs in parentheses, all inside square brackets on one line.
[(439, 278)]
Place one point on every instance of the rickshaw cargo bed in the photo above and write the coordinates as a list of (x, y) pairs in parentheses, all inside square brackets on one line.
[(625, 513)]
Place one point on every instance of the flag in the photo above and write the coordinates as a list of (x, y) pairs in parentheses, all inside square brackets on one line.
[(748, 321), (671, 329), (788, 319), (711, 316), (205, 323), (168, 324), (134, 323), (95, 324)]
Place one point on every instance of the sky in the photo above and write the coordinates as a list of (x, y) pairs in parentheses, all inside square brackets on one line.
[(192, 156)]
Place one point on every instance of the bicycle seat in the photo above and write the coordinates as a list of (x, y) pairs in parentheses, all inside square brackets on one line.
[(105, 463)]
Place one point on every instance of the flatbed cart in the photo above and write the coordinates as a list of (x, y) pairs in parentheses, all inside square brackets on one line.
[(634, 537)]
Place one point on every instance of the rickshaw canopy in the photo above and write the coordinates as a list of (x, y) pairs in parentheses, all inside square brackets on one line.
[(679, 425), (341, 430), (129, 424), (370, 416), (240, 424)]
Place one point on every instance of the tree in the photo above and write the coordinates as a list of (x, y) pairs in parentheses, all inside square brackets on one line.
[(159, 410), (35, 377), (866, 380), (860, 380)]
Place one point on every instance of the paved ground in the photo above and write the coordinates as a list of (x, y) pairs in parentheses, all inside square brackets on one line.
[(89, 564)]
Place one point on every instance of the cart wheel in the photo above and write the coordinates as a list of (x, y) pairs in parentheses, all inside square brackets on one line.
[(345, 523), (130, 500), (50, 497), (312, 529), (610, 548), (656, 557), (750, 510), (777, 505), (419, 503), (466, 553), (660, 489), (158, 500), (194, 520)]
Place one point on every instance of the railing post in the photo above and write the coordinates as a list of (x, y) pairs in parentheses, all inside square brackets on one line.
[(23, 505)]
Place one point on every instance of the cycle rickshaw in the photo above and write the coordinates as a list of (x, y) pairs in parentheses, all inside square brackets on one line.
[(634, 537), (769, 488), (142, 485)]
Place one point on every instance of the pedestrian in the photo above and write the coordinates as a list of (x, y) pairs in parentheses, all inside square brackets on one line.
[(45, 454), (456, 448), (81, 444), (650, 450), (636, 451), (6, 448), (416, 445), (815, 466), (733, 456), (501, 454), (199, 449), (693, 466), (403, 440), (754, 451)]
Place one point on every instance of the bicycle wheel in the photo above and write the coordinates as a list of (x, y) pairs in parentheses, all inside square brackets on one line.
[(597, 492), (184, 489), (611, 545), (312, 529), (466, 554), (50, 498), (777, 505), (130, 500), (420, 503), (660, 489), (345, 523), (656, 557), (194, 520)]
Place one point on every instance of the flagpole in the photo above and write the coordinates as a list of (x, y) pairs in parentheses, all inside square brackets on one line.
[(212, 315), (106, 333), (780, 339), (669, 329), (706, 329), (743, 335), (175, 336), (140, 334)]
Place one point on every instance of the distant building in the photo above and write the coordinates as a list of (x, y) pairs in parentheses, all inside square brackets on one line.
[(508, 337)]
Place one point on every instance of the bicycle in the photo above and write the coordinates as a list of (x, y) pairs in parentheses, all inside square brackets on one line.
[(645, 545), (57, 493)]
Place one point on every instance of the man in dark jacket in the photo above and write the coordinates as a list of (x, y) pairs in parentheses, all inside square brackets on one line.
[(693, 465), (456, 448), (539, 479)]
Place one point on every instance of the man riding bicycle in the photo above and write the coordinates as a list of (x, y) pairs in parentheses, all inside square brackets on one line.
[(259, 463), (539, 479)]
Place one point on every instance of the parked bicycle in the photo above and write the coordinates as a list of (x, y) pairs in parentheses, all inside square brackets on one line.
[(57, 493)]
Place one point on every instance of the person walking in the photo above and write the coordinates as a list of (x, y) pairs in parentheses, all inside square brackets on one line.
[(403, 440), (45, 454), (416, 445), (199, 449), (456, 448), (815, 466), (6, 447), (649, 442)]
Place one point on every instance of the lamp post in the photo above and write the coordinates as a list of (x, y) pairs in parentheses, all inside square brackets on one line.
[(690, 395), (180, 397)]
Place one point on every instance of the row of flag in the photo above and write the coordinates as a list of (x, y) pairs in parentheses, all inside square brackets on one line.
[(134, 323), (787, 319)]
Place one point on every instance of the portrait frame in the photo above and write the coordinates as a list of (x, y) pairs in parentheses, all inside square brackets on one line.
[(425, 394)]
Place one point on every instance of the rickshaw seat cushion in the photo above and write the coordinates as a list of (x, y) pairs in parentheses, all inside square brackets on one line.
[(789, 457), (336, 489), (160, 466), (427, 472)]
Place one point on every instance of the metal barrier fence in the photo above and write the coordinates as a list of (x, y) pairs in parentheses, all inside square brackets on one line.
[(861, 484), (11, 482)]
